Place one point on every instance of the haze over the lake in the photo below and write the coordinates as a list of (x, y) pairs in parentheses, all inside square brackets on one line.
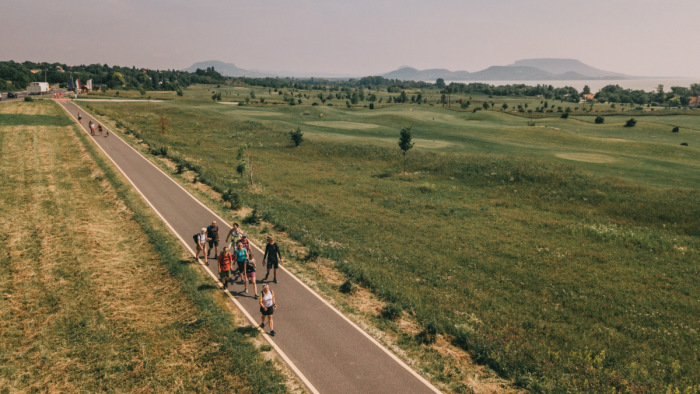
[(360, 37)]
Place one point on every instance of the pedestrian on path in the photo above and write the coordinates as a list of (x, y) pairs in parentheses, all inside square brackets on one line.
[(91, 126), (80, 118), (213, 237), (267, 307), (99, 128), (246, 243), (201, 240), (241, 257), (225, 260), (234, 234), (272, 257), (250, 274)]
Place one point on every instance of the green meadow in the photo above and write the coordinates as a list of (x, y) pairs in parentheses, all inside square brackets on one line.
[(561, 253)]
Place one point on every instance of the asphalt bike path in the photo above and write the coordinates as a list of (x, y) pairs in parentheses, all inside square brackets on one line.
[(328, 352)]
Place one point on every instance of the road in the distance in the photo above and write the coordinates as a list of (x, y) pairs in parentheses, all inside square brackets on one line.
[(332, 354)]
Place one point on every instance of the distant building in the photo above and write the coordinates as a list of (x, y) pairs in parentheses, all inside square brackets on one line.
[(589, 96), (694, 101)]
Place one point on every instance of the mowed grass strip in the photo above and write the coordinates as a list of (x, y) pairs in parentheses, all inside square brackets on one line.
[(86, 303)]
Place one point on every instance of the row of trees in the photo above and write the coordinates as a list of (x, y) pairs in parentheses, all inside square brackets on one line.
[(679, 96), (16, 76)]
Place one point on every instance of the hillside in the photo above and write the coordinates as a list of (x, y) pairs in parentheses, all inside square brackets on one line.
[(564, 66), (521, 70)]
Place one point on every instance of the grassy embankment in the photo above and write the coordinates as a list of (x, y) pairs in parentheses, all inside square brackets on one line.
[(95, 295), (563, 256)]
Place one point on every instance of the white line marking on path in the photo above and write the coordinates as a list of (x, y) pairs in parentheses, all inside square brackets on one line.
[(329, 305)]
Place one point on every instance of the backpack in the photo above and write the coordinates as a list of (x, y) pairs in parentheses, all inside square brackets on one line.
[(196, 238)]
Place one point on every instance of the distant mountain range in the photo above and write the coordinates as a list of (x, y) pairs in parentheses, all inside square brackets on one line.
[(521, 70)]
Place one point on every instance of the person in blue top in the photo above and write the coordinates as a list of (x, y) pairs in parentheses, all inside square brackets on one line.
[(241, 256)]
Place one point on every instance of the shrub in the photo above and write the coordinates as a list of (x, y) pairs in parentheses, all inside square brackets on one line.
[(565, 115), (253, 218), (676, 129), (531, 123), (347, 287), (297, 136), (180, 168), (599, 119), (27, 98), (428, 335), (371, 105), (160, 151), (232, 198), (392, 312), (630, 122), (180, 92)]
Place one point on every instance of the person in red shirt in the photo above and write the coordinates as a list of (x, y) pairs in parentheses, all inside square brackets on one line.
[(225, 260)]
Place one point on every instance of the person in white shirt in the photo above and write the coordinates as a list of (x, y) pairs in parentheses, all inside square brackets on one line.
[(268, 304)]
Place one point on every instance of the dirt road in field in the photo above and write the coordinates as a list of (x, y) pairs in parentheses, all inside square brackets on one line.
[(327, 351)]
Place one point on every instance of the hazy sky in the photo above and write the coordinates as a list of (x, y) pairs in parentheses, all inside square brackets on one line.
[(359, 37)]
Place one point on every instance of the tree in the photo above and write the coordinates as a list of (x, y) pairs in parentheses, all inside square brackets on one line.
[(440, 83), (586, 90), (485, 105), (599, 119), (297, 136), (504, 106), (630, 122), (405, 143)]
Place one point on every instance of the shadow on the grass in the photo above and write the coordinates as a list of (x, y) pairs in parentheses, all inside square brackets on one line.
[(206, 287), (248, 330)]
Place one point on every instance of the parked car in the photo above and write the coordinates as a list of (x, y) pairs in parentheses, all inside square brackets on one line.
[(11, 95)]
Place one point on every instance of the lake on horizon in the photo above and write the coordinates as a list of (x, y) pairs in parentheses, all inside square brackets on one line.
[(647, 84)]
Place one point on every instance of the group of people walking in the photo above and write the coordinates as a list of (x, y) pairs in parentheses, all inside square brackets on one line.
[(237, 249), (92, 126)]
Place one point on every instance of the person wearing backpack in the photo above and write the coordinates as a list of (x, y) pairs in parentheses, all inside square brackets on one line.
[(241, 258), (234, 234), (250, 274), (225, 260), (200, 241)]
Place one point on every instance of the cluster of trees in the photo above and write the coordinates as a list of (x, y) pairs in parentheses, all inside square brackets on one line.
[(566, 93), (16, 76), (679, 96)]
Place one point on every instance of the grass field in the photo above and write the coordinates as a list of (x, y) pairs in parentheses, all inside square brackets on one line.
[(87, 302), (564, 254)]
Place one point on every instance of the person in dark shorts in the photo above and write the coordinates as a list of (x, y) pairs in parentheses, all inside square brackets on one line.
[(272, 257), (241, 255), (99, 128), (246, 243), (80, 117), (250, 274), (225, 260), (267, 307), (213, 237)]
